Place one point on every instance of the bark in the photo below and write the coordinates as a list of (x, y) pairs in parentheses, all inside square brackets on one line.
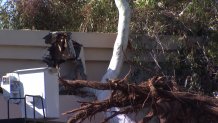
[(116, 62)]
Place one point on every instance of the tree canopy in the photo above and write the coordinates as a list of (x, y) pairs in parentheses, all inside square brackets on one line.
[(195, 17)]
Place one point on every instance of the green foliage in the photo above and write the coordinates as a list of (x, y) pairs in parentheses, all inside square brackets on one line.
[(145, 3), (67, 15), (195, 69), (100, 16), (149, 16), (193, 65), (174, 17), (42, 14)]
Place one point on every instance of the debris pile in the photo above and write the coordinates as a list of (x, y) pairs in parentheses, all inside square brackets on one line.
[(160, 95)]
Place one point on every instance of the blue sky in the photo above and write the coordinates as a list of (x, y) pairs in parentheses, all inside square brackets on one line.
[(3, 1)]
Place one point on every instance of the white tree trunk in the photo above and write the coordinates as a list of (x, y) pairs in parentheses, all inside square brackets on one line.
[(116, 62)]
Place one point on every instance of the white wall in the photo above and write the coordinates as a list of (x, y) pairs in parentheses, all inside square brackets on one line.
[(24, 49)]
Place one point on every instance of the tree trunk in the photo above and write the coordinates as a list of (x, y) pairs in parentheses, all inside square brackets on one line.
[(116, 62)]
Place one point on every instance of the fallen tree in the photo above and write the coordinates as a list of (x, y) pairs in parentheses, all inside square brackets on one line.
[(161, 95)]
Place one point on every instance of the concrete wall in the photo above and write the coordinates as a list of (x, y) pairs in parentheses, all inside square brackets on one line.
[(25, 49), (22, 49)]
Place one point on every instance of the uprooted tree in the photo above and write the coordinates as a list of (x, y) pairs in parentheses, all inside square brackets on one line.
[(161, 95), (164, 99), (154, 17)]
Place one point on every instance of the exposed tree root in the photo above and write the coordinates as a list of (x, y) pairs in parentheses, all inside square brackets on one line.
[(164, 99)]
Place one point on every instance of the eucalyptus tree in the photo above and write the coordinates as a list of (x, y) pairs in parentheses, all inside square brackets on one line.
[(116, 61)]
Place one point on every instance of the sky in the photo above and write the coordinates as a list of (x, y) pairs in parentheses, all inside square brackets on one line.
[(3, 1)]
